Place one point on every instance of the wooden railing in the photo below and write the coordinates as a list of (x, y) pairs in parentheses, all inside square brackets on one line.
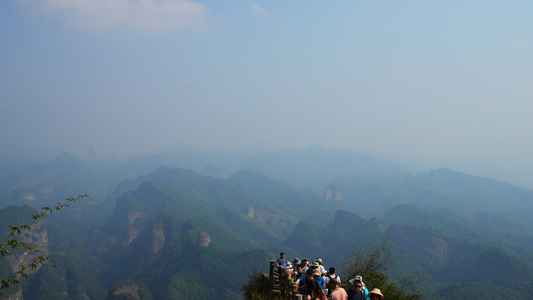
[(282, 281)]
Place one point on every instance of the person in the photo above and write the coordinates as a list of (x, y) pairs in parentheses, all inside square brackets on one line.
[(289, 269), (355, 293), (296, 263), (305, 265), (281, 260), (363, 286), (299, 276), (319, 279), (310, 288), (376, 294), (320, 265), (331, 275), (337, 292)]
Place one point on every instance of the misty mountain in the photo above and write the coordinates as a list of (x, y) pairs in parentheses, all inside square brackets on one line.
[(476, 193), (440, 188), (317, 166), (65, 175), (313, 167), (169, 231)]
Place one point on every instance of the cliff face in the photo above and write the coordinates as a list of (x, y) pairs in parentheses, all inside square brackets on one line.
[(131, 231), (157, 241), (332, 193), (37, 235)]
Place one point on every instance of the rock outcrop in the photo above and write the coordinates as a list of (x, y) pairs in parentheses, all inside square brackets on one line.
[(132, 232), (157, 241), (38, 235), (203, 239), (332, 193)]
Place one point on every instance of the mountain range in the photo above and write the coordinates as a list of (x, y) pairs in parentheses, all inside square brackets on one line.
[(175, 226)]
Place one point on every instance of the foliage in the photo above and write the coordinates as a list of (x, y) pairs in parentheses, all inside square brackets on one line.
[(11, 243), (126, 289), (258, 287), (373, 264), (479, 290)]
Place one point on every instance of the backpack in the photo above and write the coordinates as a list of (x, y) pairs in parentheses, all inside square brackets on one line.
[(336, 278)]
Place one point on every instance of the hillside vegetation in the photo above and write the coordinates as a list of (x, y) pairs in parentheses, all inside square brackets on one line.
[(161, 231)]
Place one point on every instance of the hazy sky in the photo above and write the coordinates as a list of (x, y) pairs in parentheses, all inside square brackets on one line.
[(411, 78)]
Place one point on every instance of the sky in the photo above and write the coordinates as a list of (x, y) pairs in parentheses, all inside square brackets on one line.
[(413, 79)]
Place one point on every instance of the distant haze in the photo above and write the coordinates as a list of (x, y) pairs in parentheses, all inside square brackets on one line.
[(406, 80)]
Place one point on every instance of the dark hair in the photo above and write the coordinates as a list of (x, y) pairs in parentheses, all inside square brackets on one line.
[(331, 270), (309, 272), (282, 253)]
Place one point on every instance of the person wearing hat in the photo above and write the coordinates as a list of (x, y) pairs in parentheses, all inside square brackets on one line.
[(321, 266), (295, 262), (376, 294), (356, 292), (319, 278), (288, 268), (288, 265)]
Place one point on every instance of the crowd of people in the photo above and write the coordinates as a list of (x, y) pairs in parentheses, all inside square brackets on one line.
[(315, 282)]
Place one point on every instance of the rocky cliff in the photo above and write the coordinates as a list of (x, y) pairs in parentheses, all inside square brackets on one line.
[(332, 193)]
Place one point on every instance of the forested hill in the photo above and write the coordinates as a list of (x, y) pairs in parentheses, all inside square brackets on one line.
[(174, 233)]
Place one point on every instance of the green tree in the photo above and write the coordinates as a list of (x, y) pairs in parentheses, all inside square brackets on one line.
[(373, 264), (258, 287), (12, 243)]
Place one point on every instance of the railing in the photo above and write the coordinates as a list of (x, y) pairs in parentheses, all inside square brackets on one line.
[(282, 282)]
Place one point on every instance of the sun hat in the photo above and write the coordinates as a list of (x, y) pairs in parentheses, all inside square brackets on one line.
[(317, 272), (376, 291), (288, 265), (358, 278), (319, 260)]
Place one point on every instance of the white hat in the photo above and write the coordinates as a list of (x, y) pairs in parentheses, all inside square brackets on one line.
[(359, 278)]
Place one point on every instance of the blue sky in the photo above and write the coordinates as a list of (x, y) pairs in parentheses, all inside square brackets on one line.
[(417, 79)]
